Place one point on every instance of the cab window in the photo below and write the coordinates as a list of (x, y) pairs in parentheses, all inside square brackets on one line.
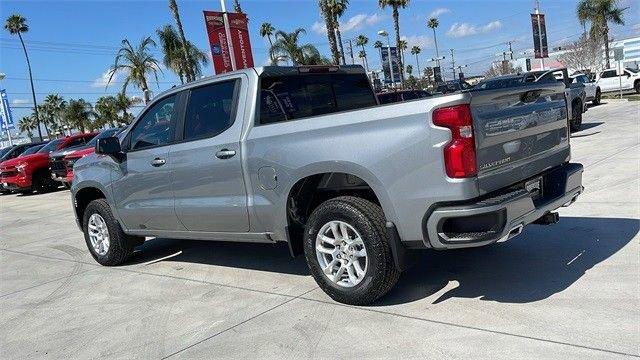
[(210, 110), (609, 74), (155, 127)]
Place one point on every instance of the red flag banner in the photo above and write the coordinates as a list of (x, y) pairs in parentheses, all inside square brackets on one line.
[(239, 26), (218, 42)]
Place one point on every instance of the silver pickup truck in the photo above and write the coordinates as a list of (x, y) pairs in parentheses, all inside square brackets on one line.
[(306, 155)]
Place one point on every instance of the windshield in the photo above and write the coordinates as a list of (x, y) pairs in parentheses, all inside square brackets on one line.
[(32, 150), (51, 146), (105, 134), (4, 151), (635, 71)]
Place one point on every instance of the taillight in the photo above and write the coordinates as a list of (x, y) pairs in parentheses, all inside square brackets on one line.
[(460, 152)]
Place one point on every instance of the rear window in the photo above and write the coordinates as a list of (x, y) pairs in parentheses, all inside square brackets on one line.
[(32, 150), (285, 98)]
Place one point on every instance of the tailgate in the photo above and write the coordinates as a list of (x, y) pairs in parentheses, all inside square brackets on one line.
[(520, 132)]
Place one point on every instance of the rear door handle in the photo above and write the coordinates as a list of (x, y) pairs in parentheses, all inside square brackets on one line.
[(225, 154), (158, 162)]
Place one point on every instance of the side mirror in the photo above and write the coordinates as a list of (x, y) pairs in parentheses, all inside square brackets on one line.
[(109, 146)]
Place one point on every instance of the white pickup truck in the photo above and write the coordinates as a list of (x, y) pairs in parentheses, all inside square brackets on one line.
[(610, 80)]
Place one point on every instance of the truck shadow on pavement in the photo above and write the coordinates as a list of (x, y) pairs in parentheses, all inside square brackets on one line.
[(589, 125), (543, 261)]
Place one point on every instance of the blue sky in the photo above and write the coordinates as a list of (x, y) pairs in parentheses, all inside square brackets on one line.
[(73, 43)]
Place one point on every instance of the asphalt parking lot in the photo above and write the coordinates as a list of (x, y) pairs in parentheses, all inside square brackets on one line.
[(569, 290)]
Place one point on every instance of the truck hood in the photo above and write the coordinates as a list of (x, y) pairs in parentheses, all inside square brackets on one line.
[(69, 150), (21, 159), (80, 153)]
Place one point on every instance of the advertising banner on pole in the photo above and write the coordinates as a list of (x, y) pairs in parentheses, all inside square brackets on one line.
[(239, 26), (437, 74), (5, 112), (218, 42), (539, 36), (384, 53)]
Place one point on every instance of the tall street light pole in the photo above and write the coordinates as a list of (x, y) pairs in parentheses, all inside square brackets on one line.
[(383, 33), (5, 115)]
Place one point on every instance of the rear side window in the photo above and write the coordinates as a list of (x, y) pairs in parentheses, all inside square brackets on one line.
[(284, 98), (210, 110)]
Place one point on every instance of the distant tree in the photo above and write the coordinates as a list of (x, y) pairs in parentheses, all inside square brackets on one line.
[(327, 15), (583, 55), (415, 50), (54, 105), (409, 70), (287, 47), (433, 23), (189, 72), (267, 30), (395, 6), (599, 13), (137, 63), (123, 104), (79, 114), (338, 8), (106, 112), (174, 59), (16, 25), (236, 6), (27, 124), (362, 41), (377, 44), (502, 68)]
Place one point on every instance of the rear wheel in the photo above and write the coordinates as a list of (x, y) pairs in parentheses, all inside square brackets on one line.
[(347, 250), (596, 100), (576, 116), (636, 86), (108, 244)]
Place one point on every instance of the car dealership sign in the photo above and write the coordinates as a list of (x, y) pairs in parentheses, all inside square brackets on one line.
[(229, 41)]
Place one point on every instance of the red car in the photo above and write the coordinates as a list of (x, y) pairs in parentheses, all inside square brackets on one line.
[(70, 159), (25, 174)]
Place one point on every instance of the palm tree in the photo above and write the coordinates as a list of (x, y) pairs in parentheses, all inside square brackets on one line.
[(45, 118), (27, 125), (236, 6), (327, 14), (266, 30), (189, 73), (106, 111), (286, 47), (395, 6), (338, 7), (402, 46), (54, 105), (16, 25), (599, 13), (362, 55), (78, 113), (137, 63), (433, 23), (173, 58), (409, 69), (377, 44), (415, 50), (123, 104), (361, 41)]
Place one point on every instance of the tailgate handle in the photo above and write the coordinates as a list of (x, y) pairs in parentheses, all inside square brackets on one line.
[(530, 96)]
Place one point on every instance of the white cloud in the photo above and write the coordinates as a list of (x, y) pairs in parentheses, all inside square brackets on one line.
[(103, 80), (423, 41), (19, 101), (439, 11), (465, 29), (354, 23)]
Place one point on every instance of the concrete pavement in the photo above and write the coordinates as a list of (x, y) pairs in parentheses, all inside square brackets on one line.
[(569, 290)]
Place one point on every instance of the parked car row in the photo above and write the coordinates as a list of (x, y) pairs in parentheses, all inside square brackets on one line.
[(44, 166)]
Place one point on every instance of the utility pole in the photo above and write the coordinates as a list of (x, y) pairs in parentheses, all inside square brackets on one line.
[(351, 52), (510, 49), (453, 64)]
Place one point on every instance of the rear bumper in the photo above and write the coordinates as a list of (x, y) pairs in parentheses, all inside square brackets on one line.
[(500, 215)]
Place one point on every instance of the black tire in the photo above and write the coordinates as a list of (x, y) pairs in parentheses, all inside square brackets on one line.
[(43, 183), (598, 98), (368, 219), (120, 244), (636, 86), (576, 116)]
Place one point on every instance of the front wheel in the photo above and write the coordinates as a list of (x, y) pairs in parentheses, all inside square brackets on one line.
[(636, 87), (108, 244), (347, 249)]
